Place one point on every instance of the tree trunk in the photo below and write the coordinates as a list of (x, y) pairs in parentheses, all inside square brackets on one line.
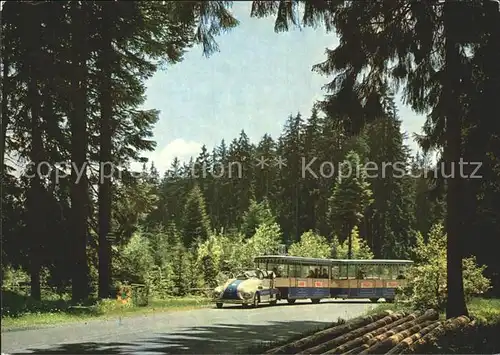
[(381, 334), (78, 123), (456, 300), (407, 342), (321, 348), (349, 244), (297, 219), (326, 334), (399, 324), (382, 346), (35, 197), (106, 64), (438, 331), (4, 114), (5, 91), (429, 315)]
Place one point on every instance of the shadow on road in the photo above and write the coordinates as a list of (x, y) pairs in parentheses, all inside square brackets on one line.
[(82, 348), (217, 339), (301, 303)]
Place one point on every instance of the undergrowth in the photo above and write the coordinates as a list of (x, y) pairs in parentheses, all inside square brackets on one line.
[(19, 312)]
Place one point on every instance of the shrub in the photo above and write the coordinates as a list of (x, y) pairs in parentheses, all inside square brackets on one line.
[(266, 240), (427, 286), (105, 306), (360, 250), (311, 245)]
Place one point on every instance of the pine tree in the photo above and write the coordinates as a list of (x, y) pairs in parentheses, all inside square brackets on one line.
[(391, 219), (221, 185), (181, 266), (290, 149), (350, 197), (257, 214), (310, 193), (265, 173), (359, 249), (196, 224), (330, 149), (243, 184)]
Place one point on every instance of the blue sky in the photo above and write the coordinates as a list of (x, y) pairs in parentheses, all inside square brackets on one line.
[(254, 83)]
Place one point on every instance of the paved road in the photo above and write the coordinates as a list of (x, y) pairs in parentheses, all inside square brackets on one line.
[(202, 331)]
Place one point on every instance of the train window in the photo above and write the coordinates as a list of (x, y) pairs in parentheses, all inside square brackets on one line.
[(335, 272), (352, 271), (302, 271), (385, 272), (394, 272), (372, 272), (361, 272), (307, 271), (295, 271), (279, 270), (283, 271), (323, 272), (343, 272), (310, 271)]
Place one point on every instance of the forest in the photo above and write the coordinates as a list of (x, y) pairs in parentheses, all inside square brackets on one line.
[(73, 81)]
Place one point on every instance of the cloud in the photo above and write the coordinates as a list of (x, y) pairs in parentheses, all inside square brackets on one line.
[(179, 148)]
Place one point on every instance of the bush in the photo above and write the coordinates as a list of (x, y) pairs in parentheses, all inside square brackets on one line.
[(136, 261), (160, 281), (256, 215), (360, 250), (106, 306), (266, 240), (13, 278), (311, 245), (209, 257), (427, 285), (222, 255)]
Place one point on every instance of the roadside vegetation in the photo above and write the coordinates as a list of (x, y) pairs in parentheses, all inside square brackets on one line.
[(23, 312)]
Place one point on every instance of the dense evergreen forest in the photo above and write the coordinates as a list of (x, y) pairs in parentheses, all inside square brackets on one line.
[(73, 81)]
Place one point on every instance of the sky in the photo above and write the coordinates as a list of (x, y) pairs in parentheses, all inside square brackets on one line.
[(254, 83)]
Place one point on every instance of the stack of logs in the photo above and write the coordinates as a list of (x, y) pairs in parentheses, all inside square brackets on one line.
[(384, 333)]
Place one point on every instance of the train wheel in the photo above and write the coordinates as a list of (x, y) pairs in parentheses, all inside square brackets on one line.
[(290, 301), (315, 300), (389, 300), (374, 300), (273, 302), (219, 305)]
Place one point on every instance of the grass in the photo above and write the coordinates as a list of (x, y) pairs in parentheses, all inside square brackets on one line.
[(480, 339), (20, 312), (486, 311), (395, 307)]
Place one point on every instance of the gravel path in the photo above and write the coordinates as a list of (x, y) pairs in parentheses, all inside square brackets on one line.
[(202, 331)]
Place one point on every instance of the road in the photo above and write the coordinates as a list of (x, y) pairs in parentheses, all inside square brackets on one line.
[(228, 330)]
